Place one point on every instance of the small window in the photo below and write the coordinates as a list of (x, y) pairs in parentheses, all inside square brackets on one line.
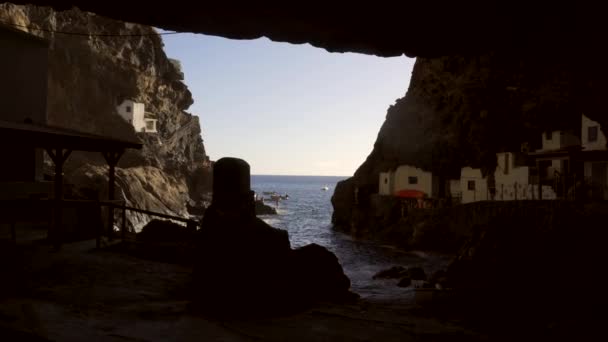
[(471, 185), (128, 109), (548, 135), (592, 133), (385, 180), (412, 180), (506, 163)]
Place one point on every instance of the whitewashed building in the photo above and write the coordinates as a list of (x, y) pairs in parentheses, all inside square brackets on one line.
[(473, 186), (512, 181), (406, 177), (134, 113), (595, 169)]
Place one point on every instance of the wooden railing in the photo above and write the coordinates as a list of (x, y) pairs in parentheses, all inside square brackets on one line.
[(17, 210), (121, 205)]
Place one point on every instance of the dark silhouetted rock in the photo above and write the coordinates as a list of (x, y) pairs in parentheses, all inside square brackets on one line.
[(391, 273), (234, 245), (164, 231), (405, 282), (318, 274), (264, 209)]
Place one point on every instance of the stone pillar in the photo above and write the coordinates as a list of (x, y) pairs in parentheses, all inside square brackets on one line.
[(232, 185)]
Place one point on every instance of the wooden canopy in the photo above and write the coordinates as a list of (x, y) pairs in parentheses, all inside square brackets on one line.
[(59, 143), (45, 136)]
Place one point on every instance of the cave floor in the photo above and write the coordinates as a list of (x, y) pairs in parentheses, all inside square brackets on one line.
[(80, 293)]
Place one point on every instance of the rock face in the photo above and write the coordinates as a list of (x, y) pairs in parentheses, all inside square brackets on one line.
[(461, 110), (416, 28), (90, 75)]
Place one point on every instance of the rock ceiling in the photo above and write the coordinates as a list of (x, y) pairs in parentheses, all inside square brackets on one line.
[(413, 28)]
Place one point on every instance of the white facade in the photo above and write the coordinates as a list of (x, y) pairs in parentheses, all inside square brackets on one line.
[(473, 186), (592, 136), (134, 113), (407, 177), (386, 183), (511, 182), (412, 178), (556, 140)]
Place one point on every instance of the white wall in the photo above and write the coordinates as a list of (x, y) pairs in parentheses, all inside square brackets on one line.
[(139, 124), (481, 185), (600, 143), (551, 144), (401, 180), (559, 140), (385, 183), (511, 182), (135, 116), (122, 110)]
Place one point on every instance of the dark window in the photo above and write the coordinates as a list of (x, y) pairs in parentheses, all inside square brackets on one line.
[(412, 180), (128, 109), (548, 135), (506, 163), (471, 185), (385, 180), (592, 133)]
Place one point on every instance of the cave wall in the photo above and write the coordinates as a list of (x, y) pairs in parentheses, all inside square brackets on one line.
[(88, 76)]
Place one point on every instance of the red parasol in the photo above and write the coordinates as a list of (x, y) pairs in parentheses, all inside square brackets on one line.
[(410, 194)]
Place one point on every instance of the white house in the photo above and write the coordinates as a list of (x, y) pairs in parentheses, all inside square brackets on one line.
[(512, 181), (473, 186), (595, 169), (406, 177), (135, 114)]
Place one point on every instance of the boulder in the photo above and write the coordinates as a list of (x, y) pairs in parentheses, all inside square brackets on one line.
[(164, 231), (318, 274)]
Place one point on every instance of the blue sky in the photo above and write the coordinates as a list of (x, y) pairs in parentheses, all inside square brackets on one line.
[(288, 109)]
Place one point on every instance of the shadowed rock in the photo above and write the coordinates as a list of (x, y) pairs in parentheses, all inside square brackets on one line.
[(246, 266)]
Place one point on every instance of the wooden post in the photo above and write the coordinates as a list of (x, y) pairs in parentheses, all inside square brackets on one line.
[(123, 229), (540, 189), (59, 156), (98, 227), (112, 158)]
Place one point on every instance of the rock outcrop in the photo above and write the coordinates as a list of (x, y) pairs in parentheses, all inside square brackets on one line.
[(89, 75), (461, 110)]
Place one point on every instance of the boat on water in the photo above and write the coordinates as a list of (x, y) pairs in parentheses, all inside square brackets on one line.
[(276, 197), (325, 188)]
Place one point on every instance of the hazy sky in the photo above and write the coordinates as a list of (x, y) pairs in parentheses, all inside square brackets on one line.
[(288, 109)]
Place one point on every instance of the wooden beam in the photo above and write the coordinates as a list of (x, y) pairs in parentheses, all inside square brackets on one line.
[(59, 156), (112, 158)]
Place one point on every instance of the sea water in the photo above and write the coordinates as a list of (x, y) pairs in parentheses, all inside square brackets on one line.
[(306, 216)]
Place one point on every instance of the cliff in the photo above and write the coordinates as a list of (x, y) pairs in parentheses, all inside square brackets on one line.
[(89, 75), (460, 110)]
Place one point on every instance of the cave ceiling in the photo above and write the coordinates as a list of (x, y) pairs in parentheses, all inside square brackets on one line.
[(413, 28)]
